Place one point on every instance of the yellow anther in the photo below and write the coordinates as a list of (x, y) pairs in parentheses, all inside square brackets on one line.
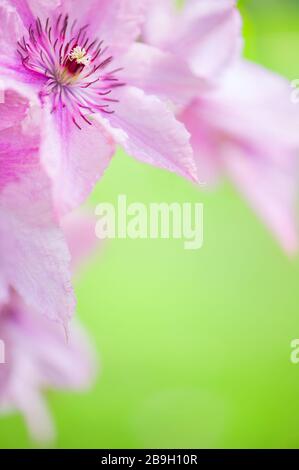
[(79, 55)]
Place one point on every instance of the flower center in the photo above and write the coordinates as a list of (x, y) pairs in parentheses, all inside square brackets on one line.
[(75, 69), (77, 60), (79, 55)]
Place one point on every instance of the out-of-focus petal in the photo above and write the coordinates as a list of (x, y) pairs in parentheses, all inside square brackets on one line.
[(270, 188), (254, 103), (30, 403), (75, 159), (116, 22), (206, 33), (205, 143), (60, 362), (160, 73), (210, 36), (149, 132), (248, 129), (160, 22), (79, 230), (39, 357)]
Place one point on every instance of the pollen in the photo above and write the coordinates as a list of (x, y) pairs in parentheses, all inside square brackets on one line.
[(79, 55)]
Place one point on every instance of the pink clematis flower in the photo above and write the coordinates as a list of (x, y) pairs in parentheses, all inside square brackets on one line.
[(34, 257), (69, 55), (243, 124)]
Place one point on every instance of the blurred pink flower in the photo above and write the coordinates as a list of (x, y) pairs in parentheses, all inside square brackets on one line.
[(241, 117), (68, 54), (38, 357), (250, 130)]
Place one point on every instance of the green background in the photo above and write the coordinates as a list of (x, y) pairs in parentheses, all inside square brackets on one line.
[(194, 345)]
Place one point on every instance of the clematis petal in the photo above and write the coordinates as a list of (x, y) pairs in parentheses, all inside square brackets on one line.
[(35, 259), (148, 131), (4, 291), (34, 255), (15, 77), (29, 10), (116, 22), (204, 141), (18, 148), (11, 30), (42, 9), (75, 159), (14, 110), (160, 73)]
